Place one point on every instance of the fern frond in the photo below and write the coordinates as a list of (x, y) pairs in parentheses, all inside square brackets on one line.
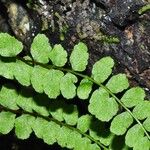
[(40, 49), (67, 87), (79, 57), (7, 64), (121, 123), (135, 138), (23, 126), (118, 83), (84, 89), (7, 120), (133, 97), (44, 126), (128, 116), (84, 123), (146, 124), (52, 88), (58, 56), (100, 102), (9, 46), (144, 107), (102, 69)]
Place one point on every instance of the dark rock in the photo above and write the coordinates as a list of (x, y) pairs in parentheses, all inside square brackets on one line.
[(125, 12)]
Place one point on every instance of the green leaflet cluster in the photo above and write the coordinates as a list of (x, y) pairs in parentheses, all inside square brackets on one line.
[(49, 129), (129, 116)]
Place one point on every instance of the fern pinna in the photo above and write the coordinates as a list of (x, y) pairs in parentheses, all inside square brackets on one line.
[(38, 107)]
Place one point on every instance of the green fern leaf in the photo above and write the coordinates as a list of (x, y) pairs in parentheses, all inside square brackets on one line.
[(37, 78), (134, 135), (100, 102), (7, 120), (59, 121), (87, 146), (51, 82), (142, 144), (24, 100), (120, 123), (63, 136), (71, 115), (102, 69), (38, 127), (62, 111), (93, 147), (7, 67), (51, 133), (58, 55), (84, 89), (23, 126), (73, 140), (133, 96), (22, 72), (118, 83), (8, 97), (142, 110), (40, 49), (106, 137), (83, 143), (67, 87), (84, 123), (79, 57), (9, 46), (146, 124)]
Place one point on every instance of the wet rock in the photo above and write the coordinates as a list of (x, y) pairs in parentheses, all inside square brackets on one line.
[(4, 27), (125, 12), (134, 50), (22, 23)]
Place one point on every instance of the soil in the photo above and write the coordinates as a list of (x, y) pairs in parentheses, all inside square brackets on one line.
[(108, 27)]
